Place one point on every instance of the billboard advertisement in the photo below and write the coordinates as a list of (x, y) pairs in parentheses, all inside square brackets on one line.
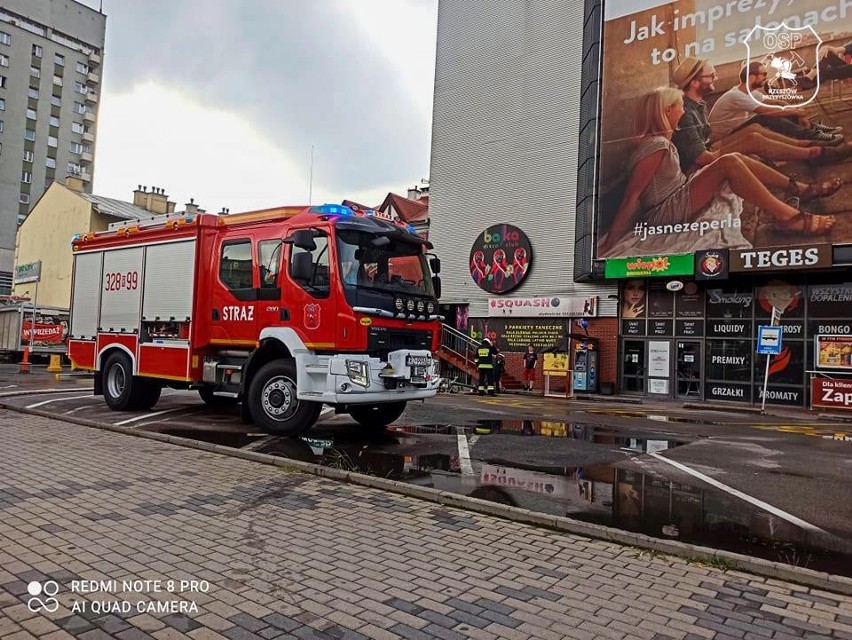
[(720, 126)]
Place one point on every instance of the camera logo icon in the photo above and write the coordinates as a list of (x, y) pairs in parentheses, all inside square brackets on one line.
[(46, 590)]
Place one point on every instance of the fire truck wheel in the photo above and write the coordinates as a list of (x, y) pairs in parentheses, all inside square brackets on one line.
[(150, 394), (376, 416), (122, 390), (273, 403), (207, 396)]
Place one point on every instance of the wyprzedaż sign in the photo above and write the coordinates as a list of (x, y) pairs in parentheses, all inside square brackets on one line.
[(650, 266), (831, 393)]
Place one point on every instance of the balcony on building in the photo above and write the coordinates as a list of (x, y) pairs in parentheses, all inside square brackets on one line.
[(85, 176), (93, 78), (88, 136), (92, 97), (89, 116), (94, 59), (86, 157)]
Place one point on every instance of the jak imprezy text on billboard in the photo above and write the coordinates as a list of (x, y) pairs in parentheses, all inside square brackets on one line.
[(704, 124)]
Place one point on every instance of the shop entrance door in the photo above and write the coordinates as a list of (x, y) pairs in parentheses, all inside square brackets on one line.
[(633, 367), (688, 369)]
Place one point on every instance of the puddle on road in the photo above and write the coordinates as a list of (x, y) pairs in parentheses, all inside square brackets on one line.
[(583, 471)]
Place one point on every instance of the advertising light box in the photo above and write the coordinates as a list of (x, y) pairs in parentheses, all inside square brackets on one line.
[(679, 162)]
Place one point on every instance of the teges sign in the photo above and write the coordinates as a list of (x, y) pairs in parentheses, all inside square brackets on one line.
[(790, 259)]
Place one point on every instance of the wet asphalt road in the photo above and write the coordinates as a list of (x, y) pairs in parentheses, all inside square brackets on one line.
[(775, 487)]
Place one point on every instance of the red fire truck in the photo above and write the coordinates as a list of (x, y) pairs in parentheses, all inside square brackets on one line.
[(283, 311)]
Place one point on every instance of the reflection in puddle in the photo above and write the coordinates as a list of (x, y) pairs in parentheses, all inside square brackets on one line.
[(588, 472)]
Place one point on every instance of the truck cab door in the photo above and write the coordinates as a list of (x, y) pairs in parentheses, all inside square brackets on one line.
[(234, 299), (308, 294)]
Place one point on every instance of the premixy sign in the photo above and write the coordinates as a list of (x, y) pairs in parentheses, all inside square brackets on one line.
[(500, 258)]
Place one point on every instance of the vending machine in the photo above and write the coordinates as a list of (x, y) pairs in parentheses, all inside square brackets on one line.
[(585, 368)]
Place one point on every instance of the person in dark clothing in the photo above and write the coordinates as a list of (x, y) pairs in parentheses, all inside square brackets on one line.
[(530, 360), (485, 356), (499, 368)]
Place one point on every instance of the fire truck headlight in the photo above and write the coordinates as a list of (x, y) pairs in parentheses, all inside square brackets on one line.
[(430, 308), (399, 304), (410, 305), (420, 306), (358, 372)]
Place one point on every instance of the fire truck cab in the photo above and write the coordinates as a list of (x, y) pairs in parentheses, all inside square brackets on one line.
[(283, 311)]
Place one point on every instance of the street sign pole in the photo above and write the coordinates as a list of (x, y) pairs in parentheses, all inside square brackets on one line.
[(775, 321)]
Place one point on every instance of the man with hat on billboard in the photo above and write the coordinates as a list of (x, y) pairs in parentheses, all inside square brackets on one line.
[(696, 78)]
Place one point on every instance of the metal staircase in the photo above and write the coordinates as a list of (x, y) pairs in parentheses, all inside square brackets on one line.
[(458, 355)]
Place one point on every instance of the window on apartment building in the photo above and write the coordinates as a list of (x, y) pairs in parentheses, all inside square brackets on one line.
[(29, 134), (2, 82), (57, 80), (77, 127), (74, 168), (59, 59), (31, 114), (26, 177), (76, 147), (50, 163), (28, 156), (35, 72), (54, 121), (5, 38), (2, 104), (4, 60), (37, 51), (1, 126), (56, 101), (33, 93), (24, 198), (82, 68), (52, 142), (80, 88), (79, 107)]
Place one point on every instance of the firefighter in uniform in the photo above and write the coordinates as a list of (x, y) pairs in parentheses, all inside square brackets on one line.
[(485, 365)]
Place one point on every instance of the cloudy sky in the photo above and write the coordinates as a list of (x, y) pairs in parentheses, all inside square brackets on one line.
[(223, 100)]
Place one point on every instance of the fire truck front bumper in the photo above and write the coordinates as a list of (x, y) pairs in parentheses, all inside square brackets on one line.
[(360, 379)]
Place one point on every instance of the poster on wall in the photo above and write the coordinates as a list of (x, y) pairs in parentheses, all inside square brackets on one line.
[(514, 335), (834, 352), (659, 53), (500, 258)]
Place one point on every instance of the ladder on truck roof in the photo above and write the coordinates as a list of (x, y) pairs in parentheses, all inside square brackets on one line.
[(153, 221)]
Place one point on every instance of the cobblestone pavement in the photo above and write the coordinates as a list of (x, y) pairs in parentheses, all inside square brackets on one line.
[(296, 556)]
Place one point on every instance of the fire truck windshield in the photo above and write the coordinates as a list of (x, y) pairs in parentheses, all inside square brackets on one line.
[(383, 263)]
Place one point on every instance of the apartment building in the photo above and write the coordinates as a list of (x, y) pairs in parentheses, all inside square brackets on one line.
[(50, 65)]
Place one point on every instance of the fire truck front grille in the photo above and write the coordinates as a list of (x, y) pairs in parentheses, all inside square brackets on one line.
[(381, 340)]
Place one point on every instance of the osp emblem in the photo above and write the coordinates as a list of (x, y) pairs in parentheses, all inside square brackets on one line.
[(780, 49)]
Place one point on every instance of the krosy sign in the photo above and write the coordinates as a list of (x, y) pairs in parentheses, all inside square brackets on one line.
[(500, 258)]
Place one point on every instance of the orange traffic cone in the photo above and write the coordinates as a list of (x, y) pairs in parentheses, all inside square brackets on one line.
[(25, 362)]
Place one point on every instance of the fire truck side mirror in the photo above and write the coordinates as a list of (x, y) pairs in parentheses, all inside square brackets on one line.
[(304, 239), (302, 269), (436, 285), (435, 264)]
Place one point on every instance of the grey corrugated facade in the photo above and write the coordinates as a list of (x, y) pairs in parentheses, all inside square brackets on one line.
[(75, 32), (505, 140)]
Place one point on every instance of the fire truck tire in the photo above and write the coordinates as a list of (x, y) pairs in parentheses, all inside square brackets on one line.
[(273, 404), (122, 390), (150, 394), (209, 399), (377, 416)]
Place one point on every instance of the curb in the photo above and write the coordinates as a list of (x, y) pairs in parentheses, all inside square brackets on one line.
[(738, 562)]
